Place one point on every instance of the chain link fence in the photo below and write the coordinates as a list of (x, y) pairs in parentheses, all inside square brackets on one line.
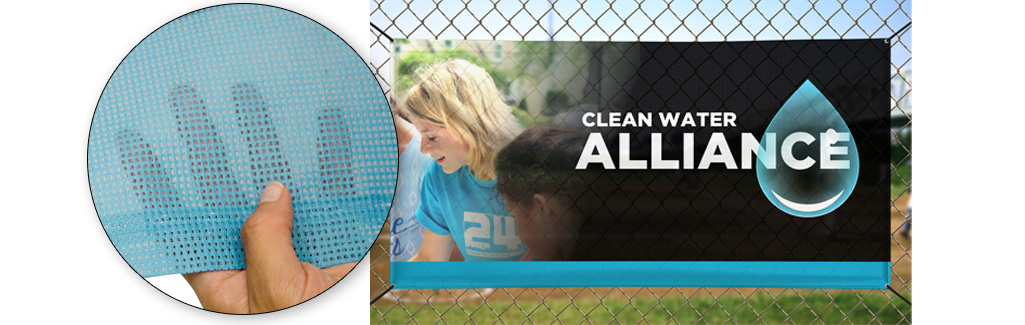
[(658, 21)]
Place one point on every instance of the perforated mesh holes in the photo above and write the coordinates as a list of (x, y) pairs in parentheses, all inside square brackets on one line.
[(211, 107), (206, 151), (335, 153), (150, 183)]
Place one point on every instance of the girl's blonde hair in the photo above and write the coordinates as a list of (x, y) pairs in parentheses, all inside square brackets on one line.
[(462, 98)]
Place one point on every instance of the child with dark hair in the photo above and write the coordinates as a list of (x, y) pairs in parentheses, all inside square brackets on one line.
[(543, 191)]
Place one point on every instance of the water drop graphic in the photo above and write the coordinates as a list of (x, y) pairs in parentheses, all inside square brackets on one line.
[(812, 158)]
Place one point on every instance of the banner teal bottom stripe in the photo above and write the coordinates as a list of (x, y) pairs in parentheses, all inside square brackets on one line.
[(457, 275)]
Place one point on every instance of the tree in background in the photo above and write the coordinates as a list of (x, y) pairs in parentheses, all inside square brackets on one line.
[(426, 56)]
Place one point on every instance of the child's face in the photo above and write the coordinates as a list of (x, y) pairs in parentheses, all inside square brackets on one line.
[(545, 226), (527, 227), (448, 149)]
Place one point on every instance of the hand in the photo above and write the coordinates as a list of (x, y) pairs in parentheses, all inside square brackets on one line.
[(274, 278), (434, 248)]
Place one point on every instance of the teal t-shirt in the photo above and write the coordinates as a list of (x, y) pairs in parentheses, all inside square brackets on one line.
[(472, 211), (406, 232)]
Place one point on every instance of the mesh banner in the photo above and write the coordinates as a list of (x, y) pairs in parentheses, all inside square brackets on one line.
[(216, 104), (704, 164)]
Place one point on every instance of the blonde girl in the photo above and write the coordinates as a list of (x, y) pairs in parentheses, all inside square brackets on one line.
[(463, 122)]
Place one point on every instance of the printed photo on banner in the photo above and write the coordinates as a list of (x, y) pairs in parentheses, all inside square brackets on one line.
[(537, 158)]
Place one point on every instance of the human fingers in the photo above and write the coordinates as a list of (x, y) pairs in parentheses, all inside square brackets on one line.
[(274, 274), (221, 291), (340, 271)]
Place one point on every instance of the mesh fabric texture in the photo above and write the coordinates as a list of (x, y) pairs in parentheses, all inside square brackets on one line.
[(216, 104)]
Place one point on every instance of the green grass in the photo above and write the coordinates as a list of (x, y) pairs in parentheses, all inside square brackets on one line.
[(858, 308), (901, 175)]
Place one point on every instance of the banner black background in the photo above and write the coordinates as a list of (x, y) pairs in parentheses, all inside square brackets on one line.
[(719, 214)]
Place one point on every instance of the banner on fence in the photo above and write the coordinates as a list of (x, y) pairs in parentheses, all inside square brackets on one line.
[(711, 164)]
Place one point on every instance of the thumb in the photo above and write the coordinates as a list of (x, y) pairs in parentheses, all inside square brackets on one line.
[(267, 243)]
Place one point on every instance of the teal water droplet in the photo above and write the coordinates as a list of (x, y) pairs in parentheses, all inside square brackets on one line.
[(804, 182)]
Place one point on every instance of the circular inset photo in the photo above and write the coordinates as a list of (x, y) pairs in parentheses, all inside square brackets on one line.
[(247, 149)]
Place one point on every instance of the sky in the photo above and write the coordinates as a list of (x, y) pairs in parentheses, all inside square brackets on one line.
[(645, 21), (656, 21)]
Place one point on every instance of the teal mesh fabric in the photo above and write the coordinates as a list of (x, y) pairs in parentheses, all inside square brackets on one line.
[(216, 104)]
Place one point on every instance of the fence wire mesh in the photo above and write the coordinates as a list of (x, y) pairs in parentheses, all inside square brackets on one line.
[(673, 21)]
